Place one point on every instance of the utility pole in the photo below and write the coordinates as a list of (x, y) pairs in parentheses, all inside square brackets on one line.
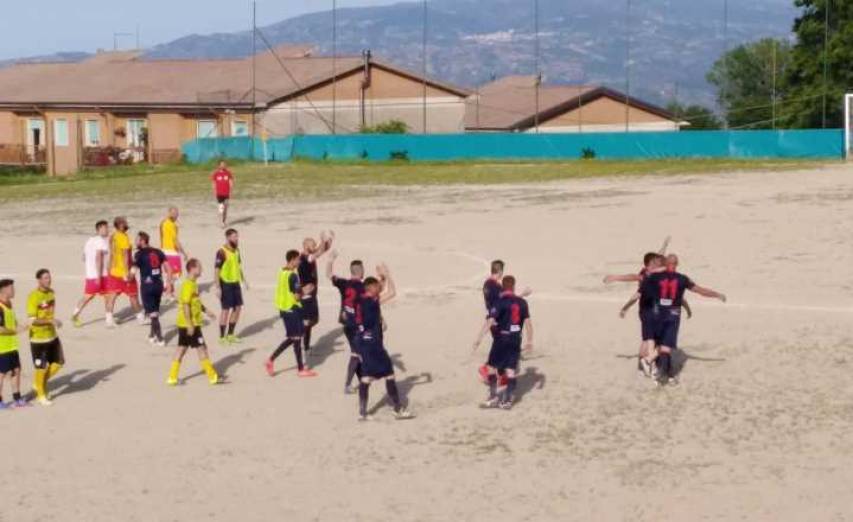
[(254, 63), (723, 87), (424, 64), (334, 65), (628, 65), (825, 57), (538, 80), (773, 99)]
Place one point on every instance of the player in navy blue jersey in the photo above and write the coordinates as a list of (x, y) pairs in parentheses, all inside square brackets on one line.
[(151, 264), (665, 291), (492, 290), (375, 362), (350, 289), (511, 317), (311, 251)]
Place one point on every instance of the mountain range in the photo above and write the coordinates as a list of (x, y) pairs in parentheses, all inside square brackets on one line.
[(672, 43)]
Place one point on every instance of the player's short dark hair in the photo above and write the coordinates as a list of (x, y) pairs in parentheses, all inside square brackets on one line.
[(649, 257), (41, 272), (356, 262), (101, 223), (6, 282), (291, 255), (508, 283), (371, 281), (192, 263), (119, 220), (145, 237), (230, 232), (497, 266)]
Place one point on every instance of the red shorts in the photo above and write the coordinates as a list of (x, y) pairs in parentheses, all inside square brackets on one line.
[(175, 264), (94, 286), (117, 285)]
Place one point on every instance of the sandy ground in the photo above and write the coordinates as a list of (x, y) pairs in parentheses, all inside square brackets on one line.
[(758, 430)]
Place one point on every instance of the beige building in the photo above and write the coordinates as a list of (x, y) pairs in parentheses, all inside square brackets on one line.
[(118, 107), (510, 105)]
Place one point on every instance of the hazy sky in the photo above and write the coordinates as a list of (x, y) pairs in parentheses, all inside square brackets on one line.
[(34, 27)]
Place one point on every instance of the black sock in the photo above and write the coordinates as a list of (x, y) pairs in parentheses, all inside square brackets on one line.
[(493, 386), (155, 327), (221, 330), (16, 396), (297, 347), (282, 347), (393, 392), (231, 327), (510, 389), (362, 398), (352, 368), (666, 364), (308, 338)]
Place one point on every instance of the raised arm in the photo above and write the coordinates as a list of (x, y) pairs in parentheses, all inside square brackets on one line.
[(389, 290), (326, 241), (665, 245), (330, 265), (707, 292)]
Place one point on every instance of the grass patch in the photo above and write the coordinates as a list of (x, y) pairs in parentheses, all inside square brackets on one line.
[(308, 179)]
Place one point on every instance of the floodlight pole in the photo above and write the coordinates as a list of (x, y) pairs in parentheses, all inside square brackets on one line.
[(825, 58), (627, 65), (424, 66), (538, 79), (334, 65)]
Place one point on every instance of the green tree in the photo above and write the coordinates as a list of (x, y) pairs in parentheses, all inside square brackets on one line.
[(747, 83), (804, 106), (387, 127), (699, 117)]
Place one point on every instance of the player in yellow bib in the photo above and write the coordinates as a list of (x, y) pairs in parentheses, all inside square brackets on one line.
[(46, 348), (228, 281), (171, 246), (120, 279), (10, 361), (190, 320)]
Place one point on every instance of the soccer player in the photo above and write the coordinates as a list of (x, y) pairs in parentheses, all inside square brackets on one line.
[(491, 295), (289, 293), (190, 320), (10, 360), (151, 263), (511, 316), (311, 251), (350, 288), (96, 254), (172, 247), (223, 184), (665, 290), (120, 280), (46, 348), (375, 362), (228, 280)]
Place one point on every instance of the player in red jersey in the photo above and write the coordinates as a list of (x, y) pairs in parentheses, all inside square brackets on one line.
[(223, 184)]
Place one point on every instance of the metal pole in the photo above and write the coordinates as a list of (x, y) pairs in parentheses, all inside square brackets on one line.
[(334, 65), (773, 95), (254, 63), (138, 46), (424, 64), (538, 79), (627, 65), (723, 90), (825, 57)]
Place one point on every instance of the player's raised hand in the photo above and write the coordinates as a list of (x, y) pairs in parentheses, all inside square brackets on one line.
[(527, 292), (382, 270), (333, 254)]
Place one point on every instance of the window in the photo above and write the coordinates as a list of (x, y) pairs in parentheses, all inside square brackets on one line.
[(135, 133), (93, 133), (239, 128), (60, 133), (207, 129)]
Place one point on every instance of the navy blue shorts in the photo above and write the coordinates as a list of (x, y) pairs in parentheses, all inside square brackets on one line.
[(667, 333), (152, 295), (232, 295), (375, 361), (10, 362), (350, 333), (648, 325), (505, 353), (293, 325), (310, 310)]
